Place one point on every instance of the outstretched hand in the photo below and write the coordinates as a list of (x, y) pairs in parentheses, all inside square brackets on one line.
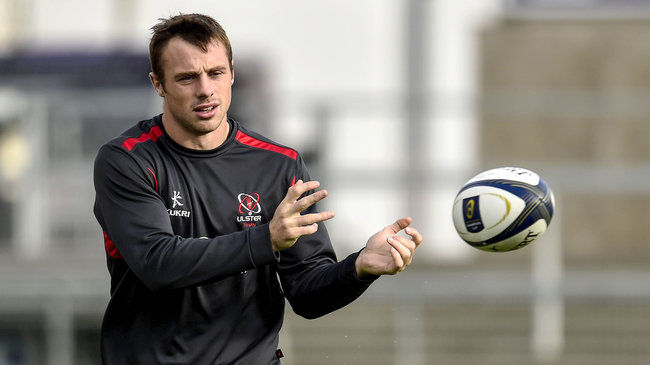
[(387, 252), (287, 224)]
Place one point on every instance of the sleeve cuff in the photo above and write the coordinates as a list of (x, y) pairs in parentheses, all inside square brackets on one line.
[(260, 246), (350, 271)]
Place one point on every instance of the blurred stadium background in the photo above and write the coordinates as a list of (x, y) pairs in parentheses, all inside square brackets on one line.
[(394, 104)]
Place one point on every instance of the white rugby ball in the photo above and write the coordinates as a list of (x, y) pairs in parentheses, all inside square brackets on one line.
[(503, 209)]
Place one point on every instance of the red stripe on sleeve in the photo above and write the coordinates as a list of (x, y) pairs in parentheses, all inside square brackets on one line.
[(154, 177), (153, 134), (110, 248), (254, 142)]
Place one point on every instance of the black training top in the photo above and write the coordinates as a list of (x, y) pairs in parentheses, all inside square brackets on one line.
[(194, 278)]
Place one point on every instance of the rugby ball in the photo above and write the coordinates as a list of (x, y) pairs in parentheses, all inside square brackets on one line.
[(503, 209)]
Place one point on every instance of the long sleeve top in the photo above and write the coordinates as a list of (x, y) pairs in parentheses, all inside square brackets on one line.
[(194, 278)]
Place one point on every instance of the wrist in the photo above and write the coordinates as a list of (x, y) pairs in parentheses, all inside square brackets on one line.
[(272, 234), (274, 245), (359, 266)]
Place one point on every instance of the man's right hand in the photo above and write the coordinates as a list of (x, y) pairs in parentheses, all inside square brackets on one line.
[(287, 224)]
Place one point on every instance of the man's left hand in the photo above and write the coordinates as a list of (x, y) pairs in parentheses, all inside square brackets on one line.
[(387, 252)]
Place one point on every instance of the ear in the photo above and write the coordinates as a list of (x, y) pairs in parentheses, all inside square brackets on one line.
[(157, 84), (232, 71)]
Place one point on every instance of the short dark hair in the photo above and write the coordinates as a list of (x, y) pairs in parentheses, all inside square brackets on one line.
[(197, 29)]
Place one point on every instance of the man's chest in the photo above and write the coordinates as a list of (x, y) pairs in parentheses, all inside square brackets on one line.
[(211, 200)]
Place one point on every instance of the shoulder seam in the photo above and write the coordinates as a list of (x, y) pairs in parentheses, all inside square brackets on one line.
[(153, 134), (144, 166), (256, 143)]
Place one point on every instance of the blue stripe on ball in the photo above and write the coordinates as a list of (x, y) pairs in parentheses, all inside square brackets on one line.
[(538, 205)]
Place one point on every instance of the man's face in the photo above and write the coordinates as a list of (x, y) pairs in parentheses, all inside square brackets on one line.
[(196, 88)]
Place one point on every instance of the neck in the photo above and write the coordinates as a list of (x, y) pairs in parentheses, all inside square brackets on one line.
[(196, 140)]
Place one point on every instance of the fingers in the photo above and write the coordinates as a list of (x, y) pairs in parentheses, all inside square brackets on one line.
[(397, 258), (292, 229), (305, 230), (405, 249), (309, 200), (416, 237), (300, 188), (292, 204), (294, 226), (400, 224), (309, 219), (287, 224)]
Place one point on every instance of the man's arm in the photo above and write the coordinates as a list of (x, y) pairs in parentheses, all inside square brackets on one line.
[(314, 283), (135, 218)]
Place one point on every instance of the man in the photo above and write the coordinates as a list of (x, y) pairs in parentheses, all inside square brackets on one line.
[(201, 217)]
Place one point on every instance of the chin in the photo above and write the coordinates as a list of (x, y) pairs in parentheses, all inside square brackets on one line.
[(205, 126)]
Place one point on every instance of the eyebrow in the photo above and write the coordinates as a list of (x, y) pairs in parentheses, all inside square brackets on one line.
[(218, 68), (181, 75), (194, 73)]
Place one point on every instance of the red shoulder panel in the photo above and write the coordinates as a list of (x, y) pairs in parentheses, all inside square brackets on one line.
[(153, 134), (254, 142)]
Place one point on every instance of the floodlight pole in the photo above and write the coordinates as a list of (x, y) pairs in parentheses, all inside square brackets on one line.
[(416, 17), (547, 338), (409, 316)]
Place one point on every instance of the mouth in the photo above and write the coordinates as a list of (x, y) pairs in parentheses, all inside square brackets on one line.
[(206, 111)]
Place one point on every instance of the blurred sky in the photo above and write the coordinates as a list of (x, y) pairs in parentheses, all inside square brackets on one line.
[(314, 46)]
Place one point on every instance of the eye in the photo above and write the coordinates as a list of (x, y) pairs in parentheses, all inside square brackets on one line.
[(184, 78)]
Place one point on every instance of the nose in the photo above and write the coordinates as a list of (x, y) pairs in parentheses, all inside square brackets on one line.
[(205, 88)]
